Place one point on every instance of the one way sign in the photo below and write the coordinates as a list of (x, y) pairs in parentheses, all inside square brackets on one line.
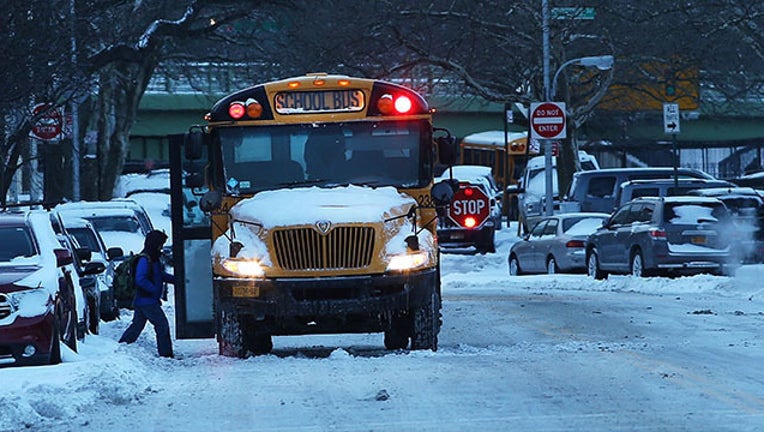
[(671, 118)]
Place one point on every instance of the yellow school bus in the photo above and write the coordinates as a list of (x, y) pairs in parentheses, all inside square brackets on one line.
[(323, 215), (505, 153)]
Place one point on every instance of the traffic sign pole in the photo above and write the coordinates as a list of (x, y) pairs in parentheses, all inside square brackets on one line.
[(671, 126), (548, 123)]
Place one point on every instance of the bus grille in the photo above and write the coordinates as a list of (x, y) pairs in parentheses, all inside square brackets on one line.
[(340, 248)]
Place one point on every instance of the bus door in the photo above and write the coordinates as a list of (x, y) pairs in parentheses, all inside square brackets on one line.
[(191, 243)]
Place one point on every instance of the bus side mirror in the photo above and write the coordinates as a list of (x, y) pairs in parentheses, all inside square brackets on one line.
[(193, 143), (447, 152), (443, 192), (210, 201)]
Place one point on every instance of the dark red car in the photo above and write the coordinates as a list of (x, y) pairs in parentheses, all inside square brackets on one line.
[(38, 305)]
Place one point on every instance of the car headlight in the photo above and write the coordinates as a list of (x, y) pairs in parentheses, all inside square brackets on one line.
[(408, 261), (244, 267), (32, 302)]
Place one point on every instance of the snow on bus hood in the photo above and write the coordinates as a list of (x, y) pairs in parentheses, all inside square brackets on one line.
[(309, 205)]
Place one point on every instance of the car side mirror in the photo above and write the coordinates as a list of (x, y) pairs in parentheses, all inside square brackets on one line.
[(63, 257), (114, 252), (84, 254), (94, 267)]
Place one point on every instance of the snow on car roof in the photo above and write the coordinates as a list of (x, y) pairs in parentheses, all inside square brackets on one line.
[(494, 137)]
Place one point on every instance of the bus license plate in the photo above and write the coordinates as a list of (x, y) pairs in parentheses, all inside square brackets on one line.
[(246, 291)]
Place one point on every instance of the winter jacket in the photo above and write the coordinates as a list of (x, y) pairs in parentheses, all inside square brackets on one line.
[(150, 284)]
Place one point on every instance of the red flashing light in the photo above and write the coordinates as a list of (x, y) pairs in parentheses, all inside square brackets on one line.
[(470, 222), (236, 110), (389, 104), (468, 192), (403, 104)]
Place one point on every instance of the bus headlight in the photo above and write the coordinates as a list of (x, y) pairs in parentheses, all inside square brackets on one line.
[(408, 261), (244, 267)]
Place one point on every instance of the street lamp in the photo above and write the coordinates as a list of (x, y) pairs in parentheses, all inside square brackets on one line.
[(602, 63)]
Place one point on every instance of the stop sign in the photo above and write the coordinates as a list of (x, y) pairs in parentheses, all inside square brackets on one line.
[(548, 120), (470, 207), (49, 126)]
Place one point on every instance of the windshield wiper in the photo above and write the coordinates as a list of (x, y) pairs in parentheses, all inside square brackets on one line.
[(302, 182)]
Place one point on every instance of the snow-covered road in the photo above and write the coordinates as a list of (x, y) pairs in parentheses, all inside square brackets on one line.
[(541, 353)]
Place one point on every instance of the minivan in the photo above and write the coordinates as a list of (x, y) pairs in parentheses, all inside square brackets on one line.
[(595, 191)]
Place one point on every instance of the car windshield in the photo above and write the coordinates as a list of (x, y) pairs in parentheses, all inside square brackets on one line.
[(583, 225), (17, 242), (370, 153), (86, 238), (116, 223)]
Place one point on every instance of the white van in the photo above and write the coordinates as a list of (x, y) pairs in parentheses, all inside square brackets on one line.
[(533, 186)]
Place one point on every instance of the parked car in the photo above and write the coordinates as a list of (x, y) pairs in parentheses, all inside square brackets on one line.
[(82, 232), (747, 208), (39, 299), (663, 235), (531, 192), (556, 244), (663, 187), (482, 176), (455, 236), (117, 226), (595, 191)]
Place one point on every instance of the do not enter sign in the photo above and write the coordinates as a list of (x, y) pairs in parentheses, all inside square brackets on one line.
[(50, 125), (548, 120), (470, 207)]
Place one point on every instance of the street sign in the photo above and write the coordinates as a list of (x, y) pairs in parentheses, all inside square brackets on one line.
[(575, 13), (548, 120), (470, 207), (50, 125), (671, 118)]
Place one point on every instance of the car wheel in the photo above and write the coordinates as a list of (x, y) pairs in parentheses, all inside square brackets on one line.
[(55, 341), (93, 318), (638, 264), (551, 266), (593, 266), (514, 266)]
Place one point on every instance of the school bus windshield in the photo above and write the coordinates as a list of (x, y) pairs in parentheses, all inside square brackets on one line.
[(391, 153)]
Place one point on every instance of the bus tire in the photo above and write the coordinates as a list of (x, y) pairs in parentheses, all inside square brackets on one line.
[(230, 335), (397, 336), (426, 324)]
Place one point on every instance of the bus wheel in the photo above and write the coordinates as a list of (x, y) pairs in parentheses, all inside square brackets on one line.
[(397, 337), (259, 343), (426, 324), (230, 336)]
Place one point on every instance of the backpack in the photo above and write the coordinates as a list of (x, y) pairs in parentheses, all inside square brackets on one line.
[(123, 283)]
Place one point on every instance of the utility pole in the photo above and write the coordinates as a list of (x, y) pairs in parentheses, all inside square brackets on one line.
[(548, 201), (75, 110)]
